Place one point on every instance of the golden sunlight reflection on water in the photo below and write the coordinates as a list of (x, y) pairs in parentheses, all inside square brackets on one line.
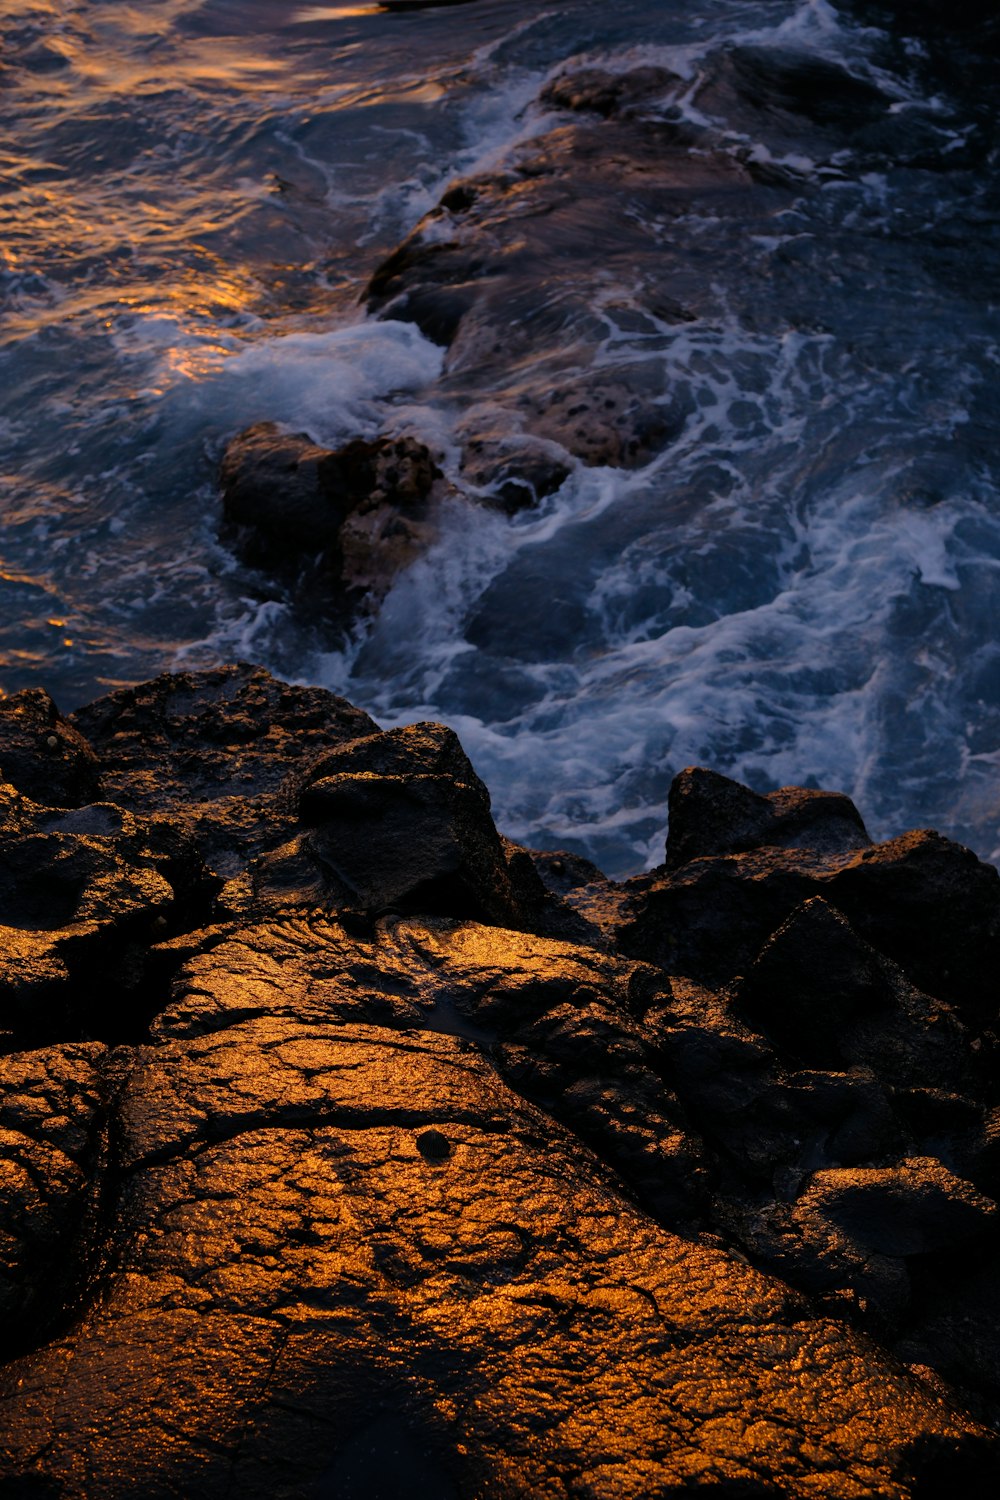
[(333, 12)]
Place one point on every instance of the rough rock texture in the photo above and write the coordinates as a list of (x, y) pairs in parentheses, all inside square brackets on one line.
[(429, 1167), (339, 523), (83, 893), (211, 750), (469, 271), (43, 755), (711, 906)]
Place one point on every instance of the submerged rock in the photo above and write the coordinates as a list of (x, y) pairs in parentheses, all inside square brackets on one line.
[(510, 271), (606, 93), (430, 1163)]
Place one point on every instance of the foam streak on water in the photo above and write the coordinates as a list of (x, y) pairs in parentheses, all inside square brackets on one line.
[(802, 586)]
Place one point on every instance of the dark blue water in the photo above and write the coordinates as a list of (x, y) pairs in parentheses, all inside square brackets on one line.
[(802, 587)]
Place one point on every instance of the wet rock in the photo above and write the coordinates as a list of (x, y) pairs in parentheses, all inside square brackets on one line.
[(852, 1006), (583, 890), (605, 93), (914, 1208), (403, 822), (211, 749), (83, 894), (909, 896), (408, 1133), (802, 84), (341, 523), (42, 755), (511, 272), (710, 916), (285, 1233), (709, 814), (513, 470), (50, 1102), (611, 422)]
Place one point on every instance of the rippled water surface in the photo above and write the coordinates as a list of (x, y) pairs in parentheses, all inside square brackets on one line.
[(802, 586)]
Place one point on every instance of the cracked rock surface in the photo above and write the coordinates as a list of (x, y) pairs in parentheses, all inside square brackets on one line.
[(348, 1150)]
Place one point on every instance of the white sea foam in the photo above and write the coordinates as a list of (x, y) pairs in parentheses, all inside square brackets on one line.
[(334, 384), (803, 586)]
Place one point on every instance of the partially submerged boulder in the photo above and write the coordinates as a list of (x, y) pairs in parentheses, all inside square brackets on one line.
[(344, 521), (603, 92)]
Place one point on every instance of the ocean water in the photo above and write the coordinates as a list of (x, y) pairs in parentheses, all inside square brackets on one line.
[(801, 586)]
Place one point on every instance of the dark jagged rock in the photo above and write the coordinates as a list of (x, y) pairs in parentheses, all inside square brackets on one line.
[(211, 749), (83, 894), (853, 1008), (709, 917), (344, 521), (910, 1209), (43, 755), (50, 1102), (709, 814), (512, 472), (396, 821), (287, 1231), (475, 272), (441, 1163)]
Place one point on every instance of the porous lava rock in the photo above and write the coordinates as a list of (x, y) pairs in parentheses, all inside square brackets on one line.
[(51, 1107), (43, 755), (84, 892), (710, 814), (602, 92), (339, 523), (709, 915), (414, 1175), (503, 273), (211, 749)]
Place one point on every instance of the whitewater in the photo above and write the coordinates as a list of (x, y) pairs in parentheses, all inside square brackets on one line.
[(800, 586)]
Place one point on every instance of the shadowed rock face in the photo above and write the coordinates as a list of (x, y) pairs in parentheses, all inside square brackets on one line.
[(337, 524), (414, 1177)]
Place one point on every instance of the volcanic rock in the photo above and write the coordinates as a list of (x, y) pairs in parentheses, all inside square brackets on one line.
[(605, 93), (49, 1116), (710, 814), (211, 750), (499, 274), (420, 1161), (340, 522), (286, 1232), (710, 916), (43, 755), (83, 892)]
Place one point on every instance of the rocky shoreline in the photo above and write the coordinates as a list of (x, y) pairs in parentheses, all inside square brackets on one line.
[(351, 1150)]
